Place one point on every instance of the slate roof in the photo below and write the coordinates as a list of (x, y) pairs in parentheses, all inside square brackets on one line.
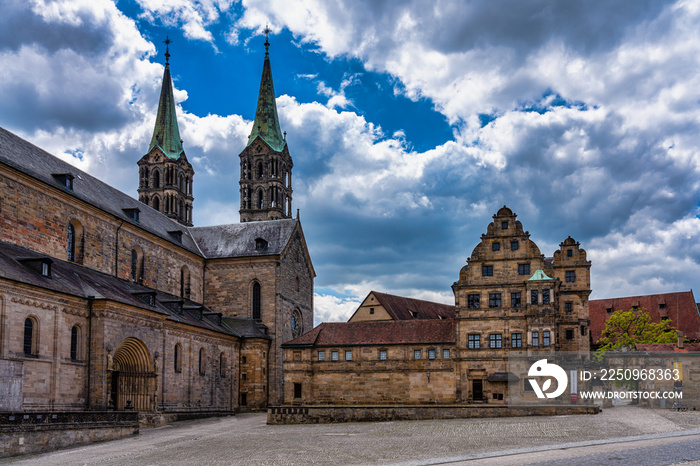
[(235, 240), (37, 163), (238, 239), (400, 308), (386, 332), (679, 307), (17, 264), (246, 328)]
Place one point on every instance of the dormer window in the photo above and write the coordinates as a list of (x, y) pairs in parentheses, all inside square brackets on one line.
[(65, 179), (176, 235), (46, 269), (260, 244), (133, 214)]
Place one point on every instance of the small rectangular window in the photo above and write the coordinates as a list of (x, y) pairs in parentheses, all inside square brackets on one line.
[(608, 310), (495, 340), (445, 354), (474, 341), (371, 310), (416, 354), (321, 355), (545, 296), (334, 355), (473, 301), (568, 306), (515, 300), (545, 338), (514, 245), (496, 247), (431, 354), (570, 276), (534, 297), (495, 300), (504, 225), (523, 269), (569, 334), (516, 340), (297, 390), (535, 338), (348, 355), (487, 270), (382, 355), (569, 253)]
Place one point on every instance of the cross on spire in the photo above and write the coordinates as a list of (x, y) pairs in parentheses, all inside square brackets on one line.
[(267, 32), (167, 43)]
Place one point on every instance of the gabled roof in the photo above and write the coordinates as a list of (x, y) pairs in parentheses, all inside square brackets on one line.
[(400, 308), (75, 280), (27, 158), (266, 124), (387, 332), (166, 135), (240, 239), (680, 308)]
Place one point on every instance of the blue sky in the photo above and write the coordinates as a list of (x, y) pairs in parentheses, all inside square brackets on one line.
[(410, 123)]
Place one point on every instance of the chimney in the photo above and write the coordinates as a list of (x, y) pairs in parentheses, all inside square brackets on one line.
[(680, 340)]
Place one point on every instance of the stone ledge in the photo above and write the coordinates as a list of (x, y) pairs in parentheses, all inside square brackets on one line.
[(277, 415)]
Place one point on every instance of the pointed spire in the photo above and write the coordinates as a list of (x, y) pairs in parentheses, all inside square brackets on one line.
[(166, 134), (266, 124)]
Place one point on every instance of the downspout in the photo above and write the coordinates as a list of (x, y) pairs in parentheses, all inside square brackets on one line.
[(91, 300), (116, 251)]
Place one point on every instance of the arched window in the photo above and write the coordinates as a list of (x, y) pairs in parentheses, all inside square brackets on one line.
[(74, 341), (156, 178), (30, 340), (260, 170), (256, 301), (75, 242), (260, 199), (177, 363), (137, 264), (156, 203), (296, 323), (201, 361), (185, 282)]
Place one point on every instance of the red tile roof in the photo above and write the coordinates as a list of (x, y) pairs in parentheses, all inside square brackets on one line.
[(386, 332), (679, 308), (400, 308), (669, 348)]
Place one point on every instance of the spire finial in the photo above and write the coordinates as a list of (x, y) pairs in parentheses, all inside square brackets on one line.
[(267, 32), (167, 43)]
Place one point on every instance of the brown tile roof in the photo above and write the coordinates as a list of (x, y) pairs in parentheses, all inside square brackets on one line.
[(669, 348), (400, 308), (679, 308), (387, 332)]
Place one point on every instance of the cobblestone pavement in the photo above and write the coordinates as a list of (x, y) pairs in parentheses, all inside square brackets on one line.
[(246, 439)]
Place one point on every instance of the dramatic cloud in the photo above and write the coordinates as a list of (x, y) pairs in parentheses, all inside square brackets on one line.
[(580, 116)]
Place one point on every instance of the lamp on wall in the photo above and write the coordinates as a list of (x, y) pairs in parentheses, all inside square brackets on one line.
[(428, 376)]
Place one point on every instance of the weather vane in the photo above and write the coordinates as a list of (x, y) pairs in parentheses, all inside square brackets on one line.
[(167, 43)]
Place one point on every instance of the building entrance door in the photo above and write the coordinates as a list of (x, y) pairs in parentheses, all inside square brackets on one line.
[(477, 389), (134, 378)]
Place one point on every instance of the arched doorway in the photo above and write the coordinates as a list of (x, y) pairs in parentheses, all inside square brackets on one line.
[(133, 378)]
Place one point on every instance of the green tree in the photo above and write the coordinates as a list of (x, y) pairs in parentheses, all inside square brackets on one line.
[(625, 329)]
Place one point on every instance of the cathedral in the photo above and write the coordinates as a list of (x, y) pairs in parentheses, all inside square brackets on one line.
[(107, 302)]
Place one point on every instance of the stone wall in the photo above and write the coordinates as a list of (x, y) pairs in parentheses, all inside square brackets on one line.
[(331, 414), (23, 433)]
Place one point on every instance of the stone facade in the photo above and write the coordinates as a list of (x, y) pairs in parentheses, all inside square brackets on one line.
[(509, 297), (106, 301)]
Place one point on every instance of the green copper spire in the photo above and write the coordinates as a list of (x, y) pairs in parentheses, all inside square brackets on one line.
[(266, 124), (166, 134)]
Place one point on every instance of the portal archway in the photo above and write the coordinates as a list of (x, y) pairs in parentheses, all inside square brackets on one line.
[(134, 376)]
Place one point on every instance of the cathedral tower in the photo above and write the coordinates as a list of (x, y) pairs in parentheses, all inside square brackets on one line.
[(165, 175), (266, 166)]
